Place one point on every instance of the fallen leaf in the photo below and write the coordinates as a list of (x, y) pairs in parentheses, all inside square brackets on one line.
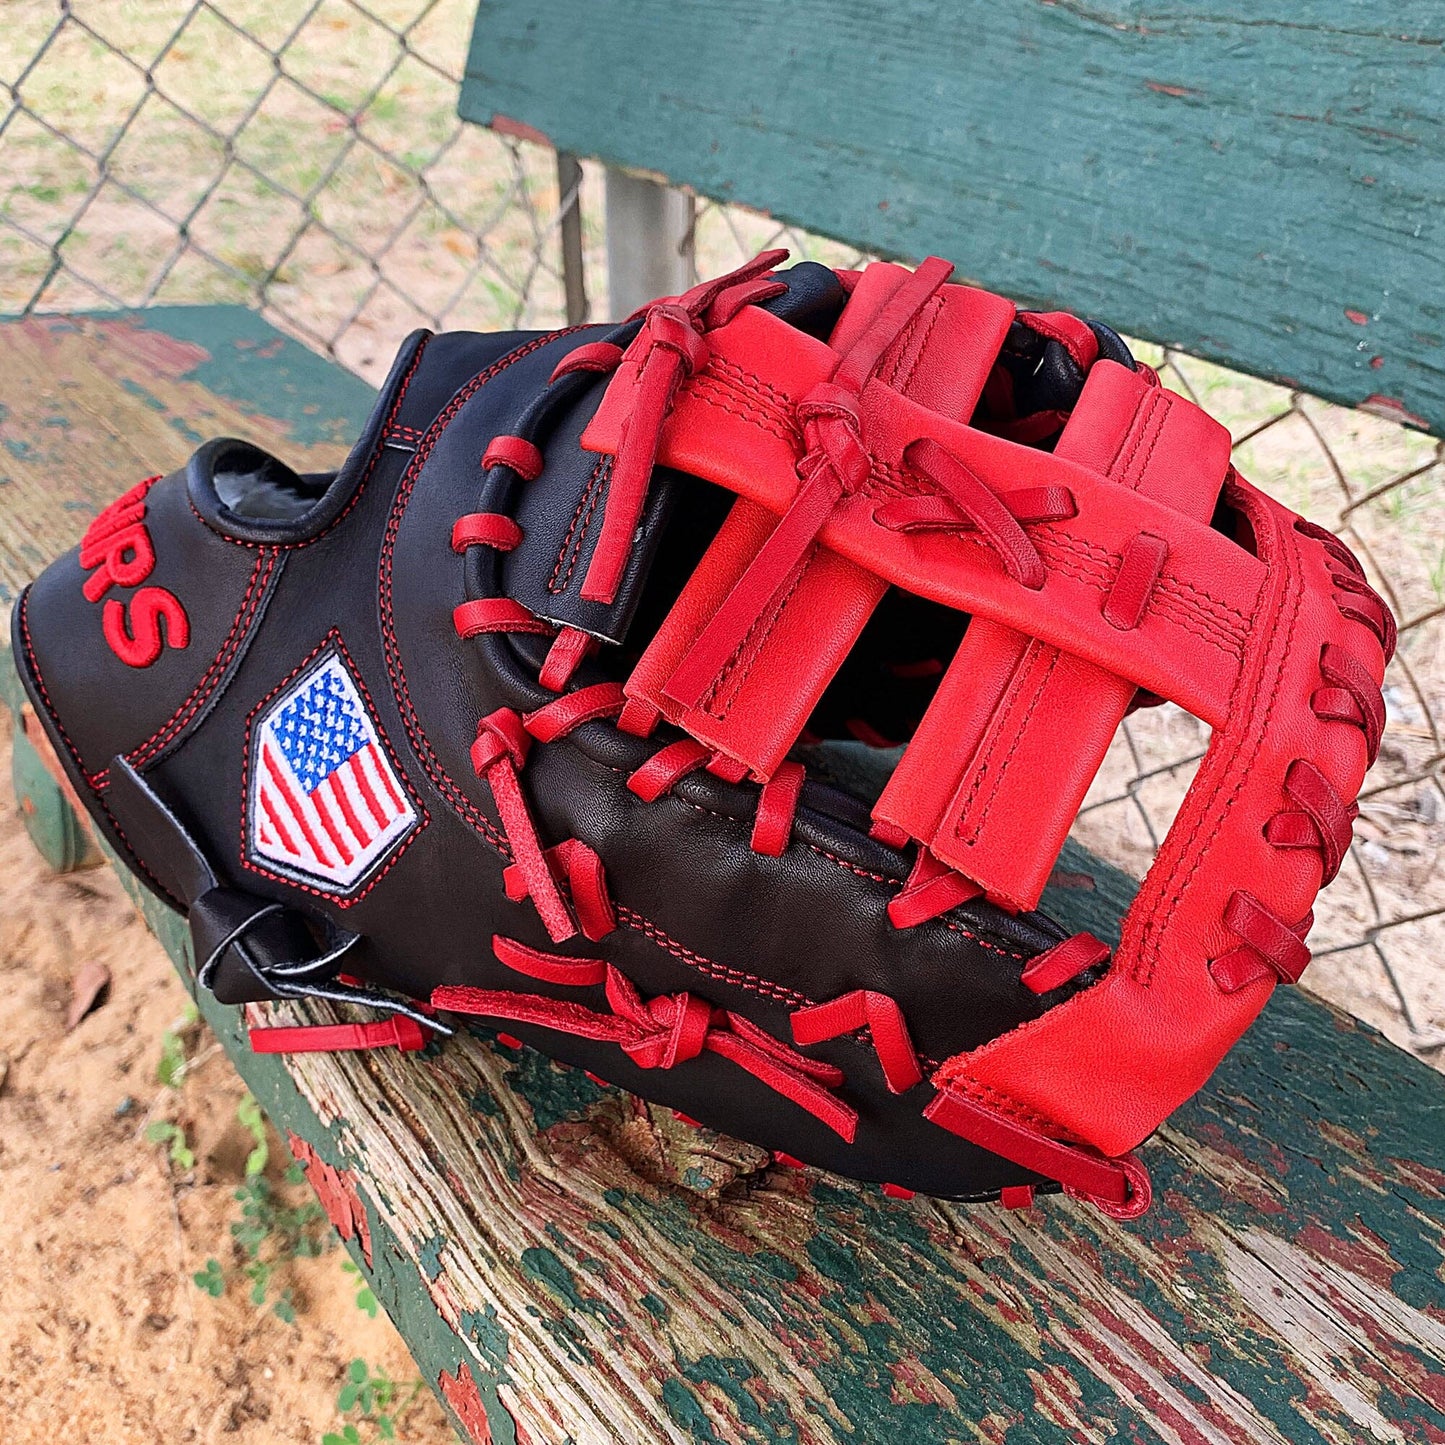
[(4, 1069), (88, 988)]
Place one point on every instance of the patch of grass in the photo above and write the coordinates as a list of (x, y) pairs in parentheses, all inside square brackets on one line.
[(178, 1148), (271, 1230), (375, 1399), (175, 1049), (365, 1298)]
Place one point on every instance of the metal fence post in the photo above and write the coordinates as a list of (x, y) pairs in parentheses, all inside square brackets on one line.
[(649, 241), (574, 275)]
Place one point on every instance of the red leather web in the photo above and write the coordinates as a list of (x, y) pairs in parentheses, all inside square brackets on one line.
[(1094, 573)]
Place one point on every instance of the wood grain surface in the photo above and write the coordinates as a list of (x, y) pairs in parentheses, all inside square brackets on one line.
[(569, 1265), (1259, 182), (91, 404)]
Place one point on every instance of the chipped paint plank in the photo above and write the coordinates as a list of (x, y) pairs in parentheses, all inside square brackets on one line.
[(1260, 183)]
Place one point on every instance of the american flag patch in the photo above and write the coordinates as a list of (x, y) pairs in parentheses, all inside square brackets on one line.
[(325, 802)]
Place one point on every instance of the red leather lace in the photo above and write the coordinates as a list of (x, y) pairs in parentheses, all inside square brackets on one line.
[(655, 1033), (499, 752), (881, 1016), (672, 347), (398, 1032), (1268, 944)]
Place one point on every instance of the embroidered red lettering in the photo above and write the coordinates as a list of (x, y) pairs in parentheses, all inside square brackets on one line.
[(124, 558), (118, 552), (136, 637)]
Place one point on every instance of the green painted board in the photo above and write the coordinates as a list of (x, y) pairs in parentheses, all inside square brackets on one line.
[(568, 1265), (1258, 182)]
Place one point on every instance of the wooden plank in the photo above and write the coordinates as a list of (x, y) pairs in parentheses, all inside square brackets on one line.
[(90, 404), (1258, 184), (567, 1264)]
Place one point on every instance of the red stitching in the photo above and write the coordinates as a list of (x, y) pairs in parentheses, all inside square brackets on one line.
[(421, 746), (1147, 961), (136, 858), (745, 655), (1127, 477), (721, 972), (589, 499), (754, 387), (182, 716), (727, 400), (1038, 684), (932, 311), (332, 638), (361, 486)]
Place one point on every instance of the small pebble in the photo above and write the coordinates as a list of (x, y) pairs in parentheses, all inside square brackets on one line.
[(124, 1107)]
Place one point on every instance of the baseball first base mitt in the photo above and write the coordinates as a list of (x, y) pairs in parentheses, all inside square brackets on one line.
[(706, 700)]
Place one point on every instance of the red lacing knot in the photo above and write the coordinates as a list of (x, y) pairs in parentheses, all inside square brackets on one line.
[(655, 1033), (670, 348), (517, 453), (1119, 1187), (1269, 947), (399, 1032), (881, 1016), (833, 436), (498, 755), (931, 890)]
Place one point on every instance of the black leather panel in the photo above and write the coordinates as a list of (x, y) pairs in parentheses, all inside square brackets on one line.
[(700, 912)]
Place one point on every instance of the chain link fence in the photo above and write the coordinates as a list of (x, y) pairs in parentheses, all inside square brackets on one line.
[(303, 157)]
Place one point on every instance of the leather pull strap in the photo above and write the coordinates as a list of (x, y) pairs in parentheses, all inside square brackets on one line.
[(1012, 711), (754, 702)]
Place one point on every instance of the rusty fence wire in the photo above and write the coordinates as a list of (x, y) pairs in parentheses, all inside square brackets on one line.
[(303, 157)]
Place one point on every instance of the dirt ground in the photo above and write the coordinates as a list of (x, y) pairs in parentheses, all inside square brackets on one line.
[(104, 1335)]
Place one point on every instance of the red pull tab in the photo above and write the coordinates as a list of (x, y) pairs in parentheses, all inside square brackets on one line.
[(399, 1032)]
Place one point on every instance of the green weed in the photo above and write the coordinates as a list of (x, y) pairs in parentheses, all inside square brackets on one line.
[(375, 1398), (163, 1131), (365, 1299), (175, 1049)]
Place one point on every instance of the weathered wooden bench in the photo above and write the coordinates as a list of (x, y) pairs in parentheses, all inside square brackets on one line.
[(567, 1264)]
